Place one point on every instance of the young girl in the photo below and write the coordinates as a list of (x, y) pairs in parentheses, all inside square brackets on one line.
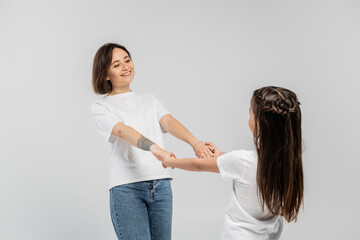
[(133, 123), (268, 183)]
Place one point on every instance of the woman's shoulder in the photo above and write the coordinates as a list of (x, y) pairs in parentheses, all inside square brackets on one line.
[(100, 104), (105, 100), (100, 100), (144, 95), (147, 96)]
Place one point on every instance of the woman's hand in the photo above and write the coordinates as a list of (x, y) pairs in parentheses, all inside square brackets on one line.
[(164, 157), (216, 151), (158, 151), (202, 150)]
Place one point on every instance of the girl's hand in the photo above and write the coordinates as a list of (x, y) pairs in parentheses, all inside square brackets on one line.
[(203, 151)]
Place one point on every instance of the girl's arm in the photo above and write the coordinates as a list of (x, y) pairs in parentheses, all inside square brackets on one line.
[(134, 138), (191, 164), (175, 128)]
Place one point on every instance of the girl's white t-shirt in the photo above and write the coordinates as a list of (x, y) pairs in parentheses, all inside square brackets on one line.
[(244, 218), (142, 112)]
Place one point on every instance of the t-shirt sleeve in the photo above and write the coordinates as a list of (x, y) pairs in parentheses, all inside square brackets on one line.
[(232, 165), (160, 111), (105, 120), (159, 108)]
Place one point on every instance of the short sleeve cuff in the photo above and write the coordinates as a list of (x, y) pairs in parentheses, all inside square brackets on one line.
[(111, 137), (219, 162)]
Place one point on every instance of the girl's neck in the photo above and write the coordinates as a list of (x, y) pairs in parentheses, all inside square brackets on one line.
[(120, 90)]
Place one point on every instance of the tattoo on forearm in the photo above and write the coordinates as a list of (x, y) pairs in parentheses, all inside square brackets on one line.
[(144, 143)]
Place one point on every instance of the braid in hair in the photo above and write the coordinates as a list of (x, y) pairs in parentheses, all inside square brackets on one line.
[(276, 103)]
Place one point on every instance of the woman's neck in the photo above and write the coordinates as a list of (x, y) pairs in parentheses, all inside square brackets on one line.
[(119, 91)]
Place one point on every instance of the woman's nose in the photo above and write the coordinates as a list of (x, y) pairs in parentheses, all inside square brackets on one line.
[(125, 67)]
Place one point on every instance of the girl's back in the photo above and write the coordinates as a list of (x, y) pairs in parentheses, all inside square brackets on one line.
[(244, 216)]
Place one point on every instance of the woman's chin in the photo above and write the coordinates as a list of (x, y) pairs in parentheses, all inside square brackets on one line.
[(127, 80)]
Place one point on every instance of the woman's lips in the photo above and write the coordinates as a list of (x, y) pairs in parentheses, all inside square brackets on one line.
[(126, 74)]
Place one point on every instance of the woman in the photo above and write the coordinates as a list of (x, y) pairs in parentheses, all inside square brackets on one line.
[(267, 184), (133, 123)]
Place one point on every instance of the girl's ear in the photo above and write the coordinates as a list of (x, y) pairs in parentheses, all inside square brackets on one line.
[(107, 78), (258, 128)]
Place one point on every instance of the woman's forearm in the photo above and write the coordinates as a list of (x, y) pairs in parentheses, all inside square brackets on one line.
[(133, 137), (175, 128)]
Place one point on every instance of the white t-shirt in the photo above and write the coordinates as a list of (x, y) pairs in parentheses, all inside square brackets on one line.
[(244, 218), (142, 112)]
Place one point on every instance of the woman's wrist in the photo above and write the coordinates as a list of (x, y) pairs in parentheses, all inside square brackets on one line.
[(196, 144), (155, 148)]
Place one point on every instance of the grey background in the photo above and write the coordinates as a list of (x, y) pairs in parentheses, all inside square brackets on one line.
[(202, 59)]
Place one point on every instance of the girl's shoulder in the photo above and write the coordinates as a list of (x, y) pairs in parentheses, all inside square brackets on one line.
[(248, 157), (243, 154)]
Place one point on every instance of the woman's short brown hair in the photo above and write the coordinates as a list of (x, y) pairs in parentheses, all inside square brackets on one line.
[(102, 62)]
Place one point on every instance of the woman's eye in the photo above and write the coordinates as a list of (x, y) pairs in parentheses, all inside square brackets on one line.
[(116, 65), (128, 60)]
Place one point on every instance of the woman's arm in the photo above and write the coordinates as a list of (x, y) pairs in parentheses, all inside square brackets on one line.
[(134, 138), (175, 128)]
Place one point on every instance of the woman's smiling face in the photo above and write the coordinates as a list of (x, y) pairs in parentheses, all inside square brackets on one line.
[(121, 71)]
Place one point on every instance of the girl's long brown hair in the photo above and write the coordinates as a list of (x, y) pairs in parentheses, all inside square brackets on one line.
[(277, 137)]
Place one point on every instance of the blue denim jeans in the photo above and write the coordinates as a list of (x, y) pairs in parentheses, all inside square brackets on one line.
[(142, 210)]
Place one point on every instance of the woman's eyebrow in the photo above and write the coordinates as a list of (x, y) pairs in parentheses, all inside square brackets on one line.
[(114, 62), (118, 60)]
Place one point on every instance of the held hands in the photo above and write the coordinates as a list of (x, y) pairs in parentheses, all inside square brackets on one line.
[(158, 151), (215, 150), (164, 157), (204, 150)]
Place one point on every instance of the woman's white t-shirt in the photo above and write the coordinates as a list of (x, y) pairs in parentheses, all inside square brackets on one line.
[(142, 112), (244, 218)]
